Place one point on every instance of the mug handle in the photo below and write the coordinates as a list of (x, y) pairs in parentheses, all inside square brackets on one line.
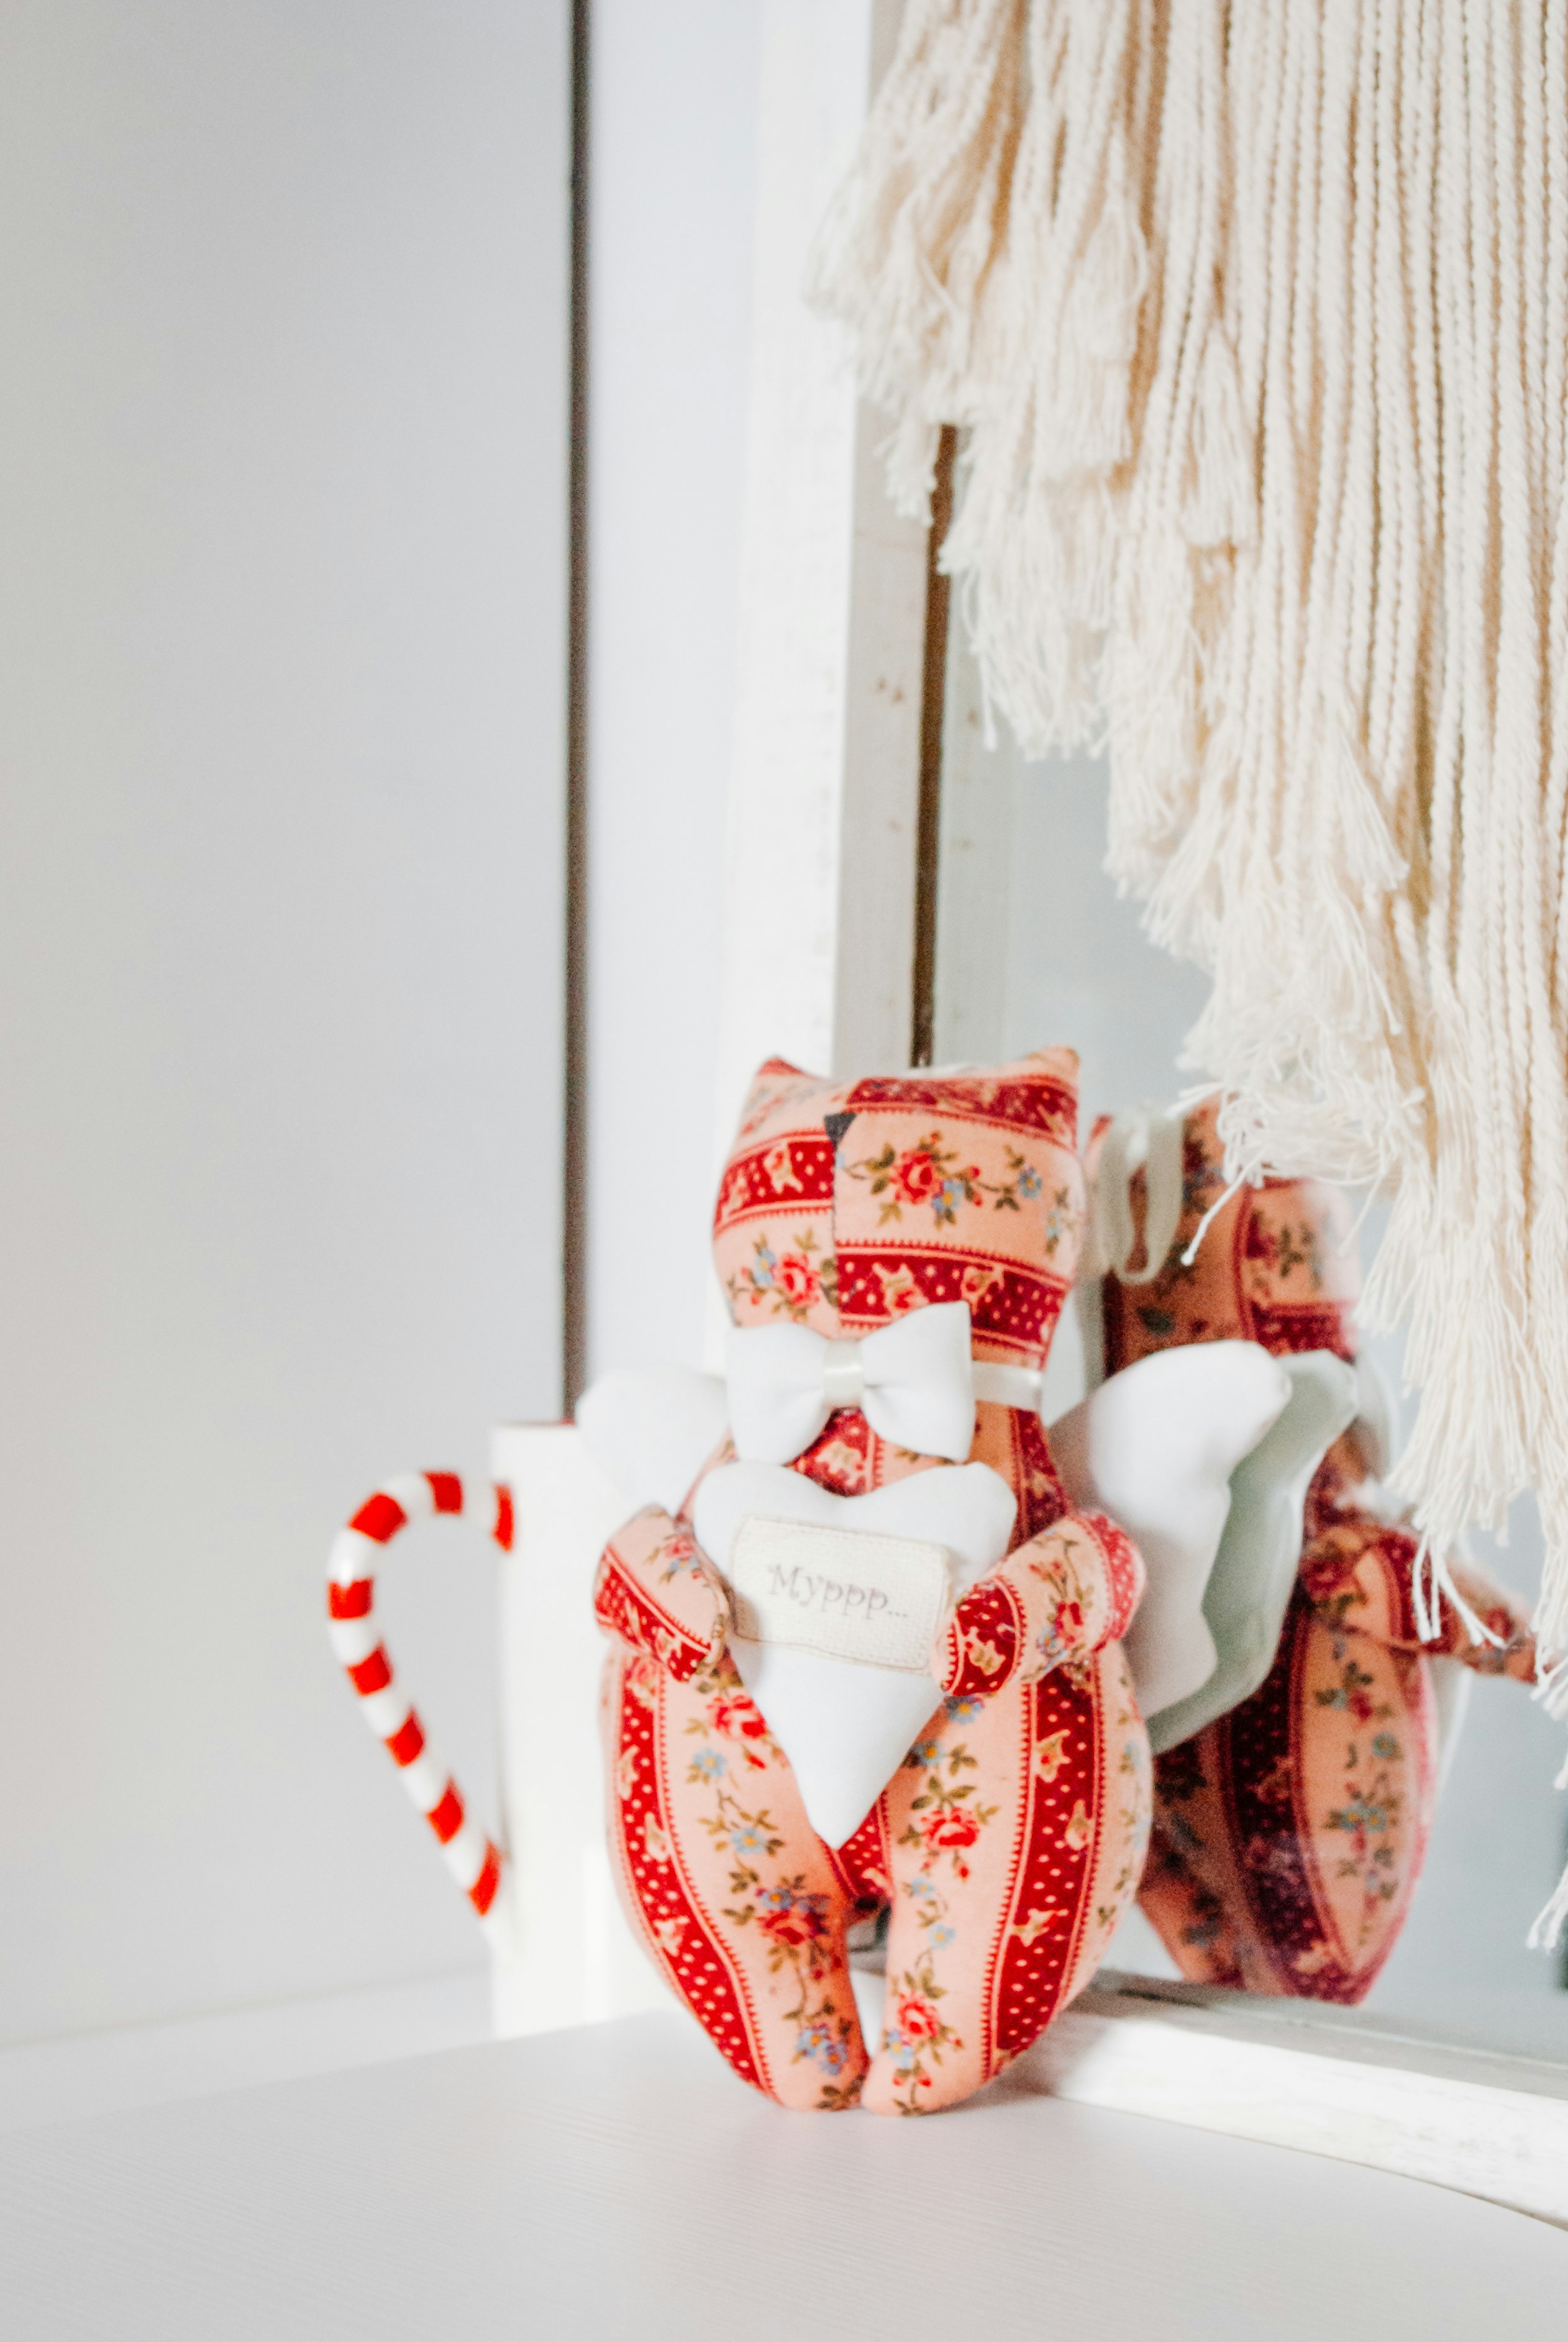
[(476, 1862)]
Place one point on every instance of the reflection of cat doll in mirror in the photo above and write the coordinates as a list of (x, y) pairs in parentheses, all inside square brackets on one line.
[(1289, 1833)]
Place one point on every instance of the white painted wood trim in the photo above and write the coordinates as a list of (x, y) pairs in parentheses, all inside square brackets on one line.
[(1487, 2126), (974, 869), (878, 788), (819, 932)]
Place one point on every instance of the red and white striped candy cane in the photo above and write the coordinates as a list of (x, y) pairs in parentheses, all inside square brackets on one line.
[(472, 1859)]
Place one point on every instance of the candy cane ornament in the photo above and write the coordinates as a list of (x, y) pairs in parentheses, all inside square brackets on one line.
[(475, 1861)]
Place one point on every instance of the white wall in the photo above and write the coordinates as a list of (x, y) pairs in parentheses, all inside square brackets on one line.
[(282, 561), (673, 126)]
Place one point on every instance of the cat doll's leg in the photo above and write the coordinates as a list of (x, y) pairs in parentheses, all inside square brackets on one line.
[(1017, 1832), (725, 1880), (1289, 1835), (1190, 1891)]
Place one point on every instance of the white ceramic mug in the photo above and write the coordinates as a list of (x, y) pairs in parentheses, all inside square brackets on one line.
[(561, 1953)]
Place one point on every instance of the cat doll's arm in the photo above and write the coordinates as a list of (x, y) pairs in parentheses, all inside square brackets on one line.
[(1062, 1596), (655, 1590), (1361, 1574)]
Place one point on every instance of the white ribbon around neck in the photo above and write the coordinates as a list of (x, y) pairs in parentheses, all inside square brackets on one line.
[(915, 1380)]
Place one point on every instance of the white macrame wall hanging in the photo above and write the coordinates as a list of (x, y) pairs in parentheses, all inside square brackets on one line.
[(1254, 318)]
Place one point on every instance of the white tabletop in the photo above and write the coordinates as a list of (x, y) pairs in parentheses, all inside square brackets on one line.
[(619, 2181)]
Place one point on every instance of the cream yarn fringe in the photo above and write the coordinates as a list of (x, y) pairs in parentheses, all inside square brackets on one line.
[(1255, 318)]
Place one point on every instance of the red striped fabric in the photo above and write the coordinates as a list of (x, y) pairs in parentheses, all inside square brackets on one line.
[(475, 1861)]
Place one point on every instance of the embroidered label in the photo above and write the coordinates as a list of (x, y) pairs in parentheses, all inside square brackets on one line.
[(844, 1594)]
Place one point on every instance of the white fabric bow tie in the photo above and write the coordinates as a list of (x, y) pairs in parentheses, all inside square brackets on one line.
[(914, 1380)]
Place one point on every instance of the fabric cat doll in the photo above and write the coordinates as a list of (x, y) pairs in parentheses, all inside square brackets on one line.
[(1290, 1832), (1008, 1831)]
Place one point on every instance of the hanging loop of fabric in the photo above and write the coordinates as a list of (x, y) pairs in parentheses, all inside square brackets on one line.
[(1148, 1139)]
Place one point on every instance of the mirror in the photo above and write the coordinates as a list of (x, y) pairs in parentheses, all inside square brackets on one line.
[(1033, 947)]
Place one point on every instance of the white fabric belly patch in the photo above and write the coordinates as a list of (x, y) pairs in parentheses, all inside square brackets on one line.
[(844, 1594), (846, 1717)]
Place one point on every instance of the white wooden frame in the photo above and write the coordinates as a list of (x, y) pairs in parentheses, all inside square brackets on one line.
[(824, 800), (818, 965)]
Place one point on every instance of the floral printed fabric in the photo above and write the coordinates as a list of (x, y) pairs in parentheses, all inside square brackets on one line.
[(1289, 1836), (657, 1591), (846, 1204), (1063, 1594), (1011, 1837)]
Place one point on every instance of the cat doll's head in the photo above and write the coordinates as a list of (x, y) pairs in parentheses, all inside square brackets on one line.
[(846, 1204)]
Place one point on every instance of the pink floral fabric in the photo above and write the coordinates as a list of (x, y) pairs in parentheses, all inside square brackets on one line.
[(656, 1591), (1011, 1838), (846, 1204), (1289, 1836), (1063, 1594)]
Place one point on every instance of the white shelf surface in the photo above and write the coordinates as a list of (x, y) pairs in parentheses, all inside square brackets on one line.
[(618, 2179), (148, 2065)]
